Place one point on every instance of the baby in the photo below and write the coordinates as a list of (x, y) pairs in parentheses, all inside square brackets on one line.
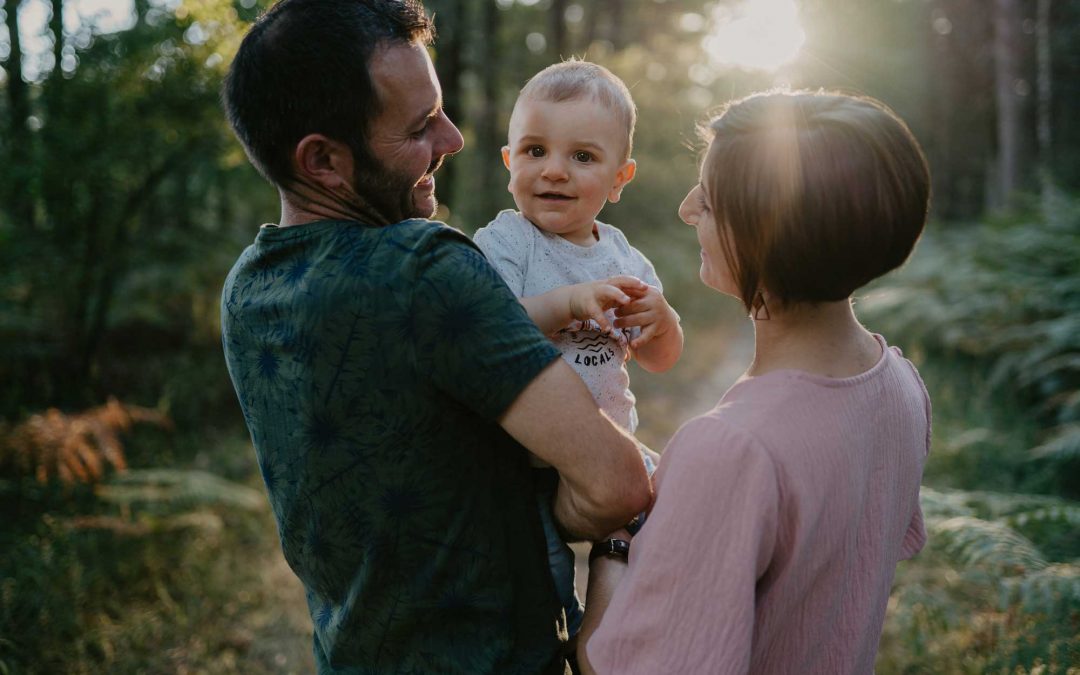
[(580, 281)]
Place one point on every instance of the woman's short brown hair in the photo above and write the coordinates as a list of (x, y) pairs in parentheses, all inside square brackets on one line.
[(815, 193)]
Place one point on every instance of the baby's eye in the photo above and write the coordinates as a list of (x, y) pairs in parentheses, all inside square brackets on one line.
[(582, 156), (535, 151)]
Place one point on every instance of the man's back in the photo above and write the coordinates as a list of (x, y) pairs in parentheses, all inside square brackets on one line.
[(371, 365)]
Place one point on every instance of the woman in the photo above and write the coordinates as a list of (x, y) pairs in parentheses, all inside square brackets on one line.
[(781, 514)]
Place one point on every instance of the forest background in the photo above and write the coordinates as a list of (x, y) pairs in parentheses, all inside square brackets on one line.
[(135, 534)]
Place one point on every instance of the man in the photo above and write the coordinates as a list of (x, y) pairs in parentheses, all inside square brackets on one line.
[(389, 379)]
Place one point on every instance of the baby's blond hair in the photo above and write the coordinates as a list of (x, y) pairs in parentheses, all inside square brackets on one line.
[(574, 80)]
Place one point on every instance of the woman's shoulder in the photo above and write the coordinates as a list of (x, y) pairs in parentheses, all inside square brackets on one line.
[(718, 437)]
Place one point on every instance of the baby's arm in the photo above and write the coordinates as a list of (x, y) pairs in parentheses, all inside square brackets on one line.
[(660, 343), (555, 309)]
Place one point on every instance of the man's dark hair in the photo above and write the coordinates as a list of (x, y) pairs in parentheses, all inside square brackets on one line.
[(303, 68)]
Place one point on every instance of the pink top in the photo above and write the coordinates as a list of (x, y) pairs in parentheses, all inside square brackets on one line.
[(779, 519)]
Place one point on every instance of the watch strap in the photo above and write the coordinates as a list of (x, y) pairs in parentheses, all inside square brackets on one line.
[(619, 548)]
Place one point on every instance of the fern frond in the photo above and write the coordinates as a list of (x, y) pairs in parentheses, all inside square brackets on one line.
[(174, 489), (973, 542), (1045, 591), (73, 448), (1063, 444), (943, 504)]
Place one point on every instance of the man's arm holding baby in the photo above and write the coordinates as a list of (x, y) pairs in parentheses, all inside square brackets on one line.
[(600, 488), (660, 343)]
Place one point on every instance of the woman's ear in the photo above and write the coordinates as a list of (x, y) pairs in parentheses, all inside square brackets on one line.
[(323, 161), (624, 175)]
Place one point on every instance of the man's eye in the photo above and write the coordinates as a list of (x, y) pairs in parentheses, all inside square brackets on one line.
[(535, 151), (582, 156)]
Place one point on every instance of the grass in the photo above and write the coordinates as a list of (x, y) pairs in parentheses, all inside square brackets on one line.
[(196, 586)]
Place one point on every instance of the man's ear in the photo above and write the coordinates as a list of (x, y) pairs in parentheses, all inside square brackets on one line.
[(624, 175), (506, 156), (323, 161)]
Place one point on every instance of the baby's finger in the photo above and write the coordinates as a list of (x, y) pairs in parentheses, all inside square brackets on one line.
[(622, 320), (647, 334), (598, 314), (611, 296), (628, 284)]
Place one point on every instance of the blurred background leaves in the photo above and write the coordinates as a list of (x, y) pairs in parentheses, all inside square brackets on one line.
[(124, 201)]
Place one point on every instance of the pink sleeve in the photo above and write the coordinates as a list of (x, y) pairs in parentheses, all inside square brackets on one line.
[(915, 537), (686, 604)]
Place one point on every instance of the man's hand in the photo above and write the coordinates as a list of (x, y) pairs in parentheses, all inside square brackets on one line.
[(660, 343)]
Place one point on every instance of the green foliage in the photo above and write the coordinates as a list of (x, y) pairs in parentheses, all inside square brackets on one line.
[(990, 313), (983, 596), (1005, 294), (151, 573)]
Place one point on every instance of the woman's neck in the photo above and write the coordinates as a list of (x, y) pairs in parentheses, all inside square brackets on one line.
[(822, 339)]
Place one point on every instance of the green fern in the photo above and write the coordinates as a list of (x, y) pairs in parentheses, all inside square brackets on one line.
[(1047, 591), (1007, 294), (993, 546), (171, 490)]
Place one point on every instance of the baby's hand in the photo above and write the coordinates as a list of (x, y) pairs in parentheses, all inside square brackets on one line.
[(650, 311), (591, 300)]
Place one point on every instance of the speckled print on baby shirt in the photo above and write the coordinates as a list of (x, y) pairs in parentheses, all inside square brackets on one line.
[(533, 262)]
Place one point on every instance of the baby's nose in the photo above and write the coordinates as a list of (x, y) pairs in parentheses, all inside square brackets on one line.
[(554, 169)]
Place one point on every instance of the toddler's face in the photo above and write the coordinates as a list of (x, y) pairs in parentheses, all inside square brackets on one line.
[(566, 161)]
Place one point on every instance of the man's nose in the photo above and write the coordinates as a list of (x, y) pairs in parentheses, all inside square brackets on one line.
[(449, 140)]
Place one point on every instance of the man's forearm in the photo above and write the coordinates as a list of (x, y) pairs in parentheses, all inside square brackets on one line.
[(602, 480)]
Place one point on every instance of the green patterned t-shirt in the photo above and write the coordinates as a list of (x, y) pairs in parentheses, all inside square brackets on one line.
[(371, 365)]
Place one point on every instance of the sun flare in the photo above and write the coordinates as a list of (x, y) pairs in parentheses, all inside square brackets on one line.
[(755, 35)]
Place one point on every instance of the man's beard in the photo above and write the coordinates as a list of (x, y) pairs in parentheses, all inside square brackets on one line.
[(390, 193)]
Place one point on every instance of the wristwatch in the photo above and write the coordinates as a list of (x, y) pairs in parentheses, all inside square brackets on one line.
[(619, 548)]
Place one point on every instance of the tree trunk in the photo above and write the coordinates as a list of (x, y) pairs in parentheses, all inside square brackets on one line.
[(56, 27), (488, 136), (18, 193), (557, 30), (448, 66), (1043, 89), (1006, 74)]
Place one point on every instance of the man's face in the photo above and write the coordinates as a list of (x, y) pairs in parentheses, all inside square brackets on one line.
[(409, 138)]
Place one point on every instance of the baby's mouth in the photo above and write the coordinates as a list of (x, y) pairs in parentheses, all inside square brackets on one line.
[(554, 196)]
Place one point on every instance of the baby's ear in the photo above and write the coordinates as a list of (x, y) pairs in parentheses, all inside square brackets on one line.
[(506, 156), (624, 175)]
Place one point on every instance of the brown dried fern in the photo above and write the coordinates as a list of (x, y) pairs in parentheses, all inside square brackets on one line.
[(74, 448)]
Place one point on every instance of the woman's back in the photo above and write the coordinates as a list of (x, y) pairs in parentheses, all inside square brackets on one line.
[(810, 486)]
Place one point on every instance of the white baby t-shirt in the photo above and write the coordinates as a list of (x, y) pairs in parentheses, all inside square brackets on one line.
[(533, 262)]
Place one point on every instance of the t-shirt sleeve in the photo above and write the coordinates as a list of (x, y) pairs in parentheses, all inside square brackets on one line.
[(505, 250), (686, 603), (473, 337)]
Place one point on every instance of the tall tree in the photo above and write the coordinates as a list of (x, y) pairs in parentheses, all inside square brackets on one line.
[(557, 39), (1007, 46), (488, 134), (1043, 61), (18, 140)]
